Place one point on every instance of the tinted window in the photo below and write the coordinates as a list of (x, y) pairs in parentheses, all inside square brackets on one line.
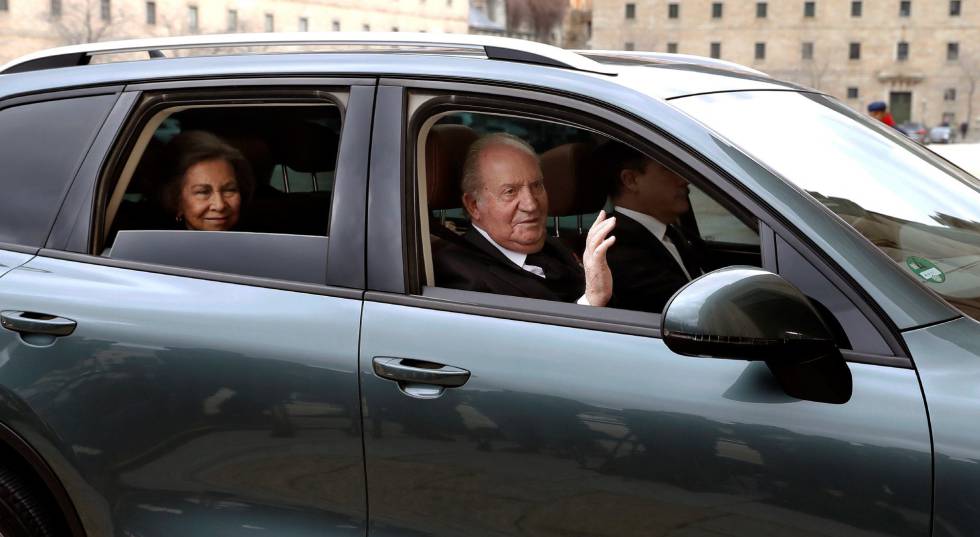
[(43, 145)]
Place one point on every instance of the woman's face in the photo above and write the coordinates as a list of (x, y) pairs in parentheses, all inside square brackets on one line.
[(209, 196)]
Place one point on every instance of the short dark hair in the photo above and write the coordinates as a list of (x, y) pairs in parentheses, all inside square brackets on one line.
[(193, 147), (613, 157)]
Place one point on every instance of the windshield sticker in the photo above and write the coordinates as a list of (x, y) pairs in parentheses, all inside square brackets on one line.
[(926, 269)]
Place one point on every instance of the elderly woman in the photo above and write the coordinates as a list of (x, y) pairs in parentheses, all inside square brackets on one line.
[(207, 182)]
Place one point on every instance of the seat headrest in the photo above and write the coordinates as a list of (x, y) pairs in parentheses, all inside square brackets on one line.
[(570, 178), (308, 147), (445, 153)]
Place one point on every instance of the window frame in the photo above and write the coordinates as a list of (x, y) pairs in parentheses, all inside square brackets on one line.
[(809, 9), (405, 287), (78, 228), (857, 9), (761, 10), (717, 10)]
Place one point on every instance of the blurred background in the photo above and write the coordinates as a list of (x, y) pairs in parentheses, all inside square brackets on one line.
[(921, 57)]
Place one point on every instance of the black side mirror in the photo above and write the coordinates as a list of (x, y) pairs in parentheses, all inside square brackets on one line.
[(746, 313)]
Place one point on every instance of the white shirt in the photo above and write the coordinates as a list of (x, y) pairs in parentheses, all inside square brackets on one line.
[(519, 258), (659, 230)]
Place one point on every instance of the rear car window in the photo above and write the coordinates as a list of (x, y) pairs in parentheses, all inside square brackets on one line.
[(43, 146)]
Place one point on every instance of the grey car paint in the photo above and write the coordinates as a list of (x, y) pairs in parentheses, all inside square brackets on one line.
[(562, 431), (182, 403)]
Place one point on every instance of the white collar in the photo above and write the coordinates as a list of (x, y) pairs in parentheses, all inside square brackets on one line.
[(517, 258), (654, 226)]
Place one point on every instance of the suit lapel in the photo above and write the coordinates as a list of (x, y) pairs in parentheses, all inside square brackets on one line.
[(635, 232)]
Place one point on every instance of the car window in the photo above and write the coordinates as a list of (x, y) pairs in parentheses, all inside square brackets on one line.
[(920, 211), (242, 189), (579, 167), (36, 175)]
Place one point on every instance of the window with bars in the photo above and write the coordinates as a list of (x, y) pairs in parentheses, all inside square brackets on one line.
[(760, 51), (902, 51), (716, 50), (952, 51), (717, 9), (905, 8), (955, 6), (761, 10), (672, 48), (809, 9), (673, 10), (630, 11), (949, 94), (852, 92), (856, 8), (854, 51), (806, 51)]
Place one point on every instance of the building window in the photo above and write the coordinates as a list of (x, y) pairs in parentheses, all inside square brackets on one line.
[(856, 8), (629, 45), (672, 48), (952, 51), (151, 12), (394, 28), (761, 10), (4, 6), (716, 50), (365, 27), (854, 51), (232, 20), (304, 24), (809, 9), (192, 21), (954, 8), (270, 22), (760, 51), (852, 92), (630, 11), (55, 8), (673, 10), (902, 52), (105, 10), (335, 25), (716, 10), (905, 8), (949, 94), (806, 52)]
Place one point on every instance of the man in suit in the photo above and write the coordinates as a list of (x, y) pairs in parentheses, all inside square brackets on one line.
[(652, 259), (507, 250)]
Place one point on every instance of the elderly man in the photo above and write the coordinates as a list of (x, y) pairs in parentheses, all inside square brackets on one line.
[(508, 250), (652, 258)]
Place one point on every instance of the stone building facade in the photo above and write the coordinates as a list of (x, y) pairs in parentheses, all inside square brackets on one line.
[(30, 25), (920, 56)]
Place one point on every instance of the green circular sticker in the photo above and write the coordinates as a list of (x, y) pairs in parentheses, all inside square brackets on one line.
[(926, 269)]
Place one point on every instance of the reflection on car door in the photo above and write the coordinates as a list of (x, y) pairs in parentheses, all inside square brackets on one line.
[(571, 431)]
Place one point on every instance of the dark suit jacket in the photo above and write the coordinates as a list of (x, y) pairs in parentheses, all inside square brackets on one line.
[(475, 264), (645, 274)]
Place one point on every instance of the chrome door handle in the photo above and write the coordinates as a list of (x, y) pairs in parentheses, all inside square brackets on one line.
[(419, 372), (27, 322)]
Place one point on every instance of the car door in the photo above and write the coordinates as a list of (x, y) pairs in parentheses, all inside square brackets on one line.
[(175, 400), (495, 415)]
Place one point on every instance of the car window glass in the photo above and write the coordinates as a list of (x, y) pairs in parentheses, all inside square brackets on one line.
[(248, 177), (576, 167), (36, 175), (921, 212)]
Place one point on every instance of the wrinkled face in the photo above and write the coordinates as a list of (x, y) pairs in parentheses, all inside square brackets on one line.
[(877, 114), (512, 205), (209, 196), (660, 192)]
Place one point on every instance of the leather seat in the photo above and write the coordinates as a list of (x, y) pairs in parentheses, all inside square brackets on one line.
[(574, 188), (446, 147)]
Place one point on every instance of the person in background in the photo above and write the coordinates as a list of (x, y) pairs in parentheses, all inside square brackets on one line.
[(879, 111)]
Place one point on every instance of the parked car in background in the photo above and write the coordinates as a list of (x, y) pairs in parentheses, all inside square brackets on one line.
[(941, 134), (915, 131), (307, 372)]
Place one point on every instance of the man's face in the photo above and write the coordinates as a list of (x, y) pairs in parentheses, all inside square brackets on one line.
[(659, 192), (512, 205), (877, 114)]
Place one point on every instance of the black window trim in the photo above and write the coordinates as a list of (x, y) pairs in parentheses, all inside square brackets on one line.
[(717, 183), (76, 226)]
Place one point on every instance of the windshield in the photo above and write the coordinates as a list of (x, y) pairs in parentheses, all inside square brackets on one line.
[(923, 213)]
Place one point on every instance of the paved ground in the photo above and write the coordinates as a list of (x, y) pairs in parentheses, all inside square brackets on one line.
[(966, 156)]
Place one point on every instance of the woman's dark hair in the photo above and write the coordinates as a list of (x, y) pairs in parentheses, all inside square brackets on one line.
[(193, 147)]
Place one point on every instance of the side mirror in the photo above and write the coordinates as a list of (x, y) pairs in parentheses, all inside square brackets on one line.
[(746, 313)]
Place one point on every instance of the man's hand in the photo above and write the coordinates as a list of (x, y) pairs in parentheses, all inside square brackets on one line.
[(598, 277)]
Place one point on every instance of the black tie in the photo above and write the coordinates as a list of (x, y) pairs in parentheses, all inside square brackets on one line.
[(685, 249)]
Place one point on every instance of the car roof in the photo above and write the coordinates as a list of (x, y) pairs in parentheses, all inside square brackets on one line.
[(441, 56)]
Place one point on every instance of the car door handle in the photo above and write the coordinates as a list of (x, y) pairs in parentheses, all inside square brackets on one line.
[(419, 372), (27, 322)]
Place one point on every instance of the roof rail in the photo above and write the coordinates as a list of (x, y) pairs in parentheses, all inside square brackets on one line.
[(497, 48), (668, 57)]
